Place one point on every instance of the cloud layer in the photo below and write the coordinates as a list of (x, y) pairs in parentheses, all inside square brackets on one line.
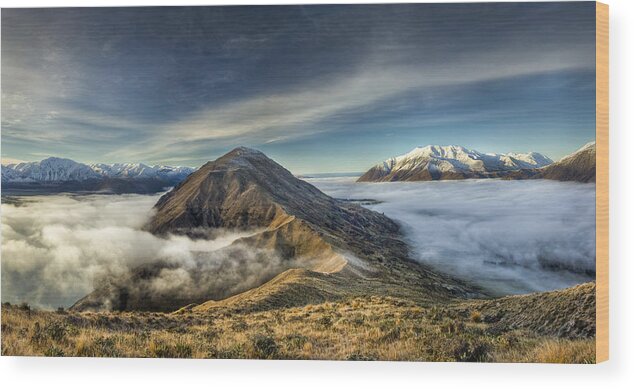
[(56, 249), (507, 236)]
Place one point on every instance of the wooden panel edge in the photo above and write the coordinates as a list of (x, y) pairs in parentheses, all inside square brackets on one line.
[(602, 186)]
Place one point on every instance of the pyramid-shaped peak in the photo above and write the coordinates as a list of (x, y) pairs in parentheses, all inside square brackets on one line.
[(238, 157), (243, 151)]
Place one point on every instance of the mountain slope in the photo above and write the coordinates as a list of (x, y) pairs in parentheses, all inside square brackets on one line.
[(569, 313), (450, 163), (579, 166), (341, 249)]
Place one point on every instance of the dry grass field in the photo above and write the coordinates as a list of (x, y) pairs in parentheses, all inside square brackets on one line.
[(372, 328)]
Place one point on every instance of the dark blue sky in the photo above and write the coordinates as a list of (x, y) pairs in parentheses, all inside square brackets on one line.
[(318, 88)]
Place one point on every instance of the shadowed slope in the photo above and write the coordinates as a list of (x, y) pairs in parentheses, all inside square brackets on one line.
[(579, 166), (567, 313)]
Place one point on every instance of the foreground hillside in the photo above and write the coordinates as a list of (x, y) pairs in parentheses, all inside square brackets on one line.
[(532, 328)]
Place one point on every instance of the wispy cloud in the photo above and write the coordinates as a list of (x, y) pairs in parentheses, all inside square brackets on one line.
[(298, 113), (179, 93)]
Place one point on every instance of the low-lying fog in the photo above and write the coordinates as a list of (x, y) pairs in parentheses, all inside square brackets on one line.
[(56, 248), (507, 236)]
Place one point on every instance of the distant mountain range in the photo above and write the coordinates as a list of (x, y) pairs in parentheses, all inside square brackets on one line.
[(53, 175), (55, 169), (457, 162), (61, 174)]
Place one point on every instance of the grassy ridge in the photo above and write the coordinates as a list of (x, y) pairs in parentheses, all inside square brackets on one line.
[(370, 328)]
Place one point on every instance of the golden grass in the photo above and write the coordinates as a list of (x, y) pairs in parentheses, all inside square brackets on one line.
[(565, 351), (372, 328)]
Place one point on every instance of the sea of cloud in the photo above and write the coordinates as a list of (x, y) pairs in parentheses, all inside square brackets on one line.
[(56, 249), (507, 236)]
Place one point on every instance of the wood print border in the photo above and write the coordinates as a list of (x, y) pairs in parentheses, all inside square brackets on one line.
[(602, 188)]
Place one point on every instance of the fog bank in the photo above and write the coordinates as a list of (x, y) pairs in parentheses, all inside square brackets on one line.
[(507, 236), (56, 249)]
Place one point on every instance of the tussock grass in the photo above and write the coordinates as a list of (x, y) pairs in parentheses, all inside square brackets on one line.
[(372, 328)]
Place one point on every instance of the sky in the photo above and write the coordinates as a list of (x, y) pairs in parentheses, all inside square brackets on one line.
[(318, 88)]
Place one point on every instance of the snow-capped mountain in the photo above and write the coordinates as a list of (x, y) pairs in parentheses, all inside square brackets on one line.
[(450, 162), (48, 170), (140, 170), (55, 169)]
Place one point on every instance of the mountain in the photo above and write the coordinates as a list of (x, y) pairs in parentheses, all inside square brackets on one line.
[(139, 170), (320, 248), (450, 163), (48, 170), (64, 175), (579, 166)]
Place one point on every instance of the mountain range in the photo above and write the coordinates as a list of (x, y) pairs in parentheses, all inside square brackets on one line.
[(65, 175), (421, 164), (55, 169), (457, 162), (450, 163)]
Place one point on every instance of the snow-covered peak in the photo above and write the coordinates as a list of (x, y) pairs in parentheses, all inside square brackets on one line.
[(532, 158), (51, 169), (431, 151), (125, 170), (589, 145), (454, 158), (55, 169), (141, 170)]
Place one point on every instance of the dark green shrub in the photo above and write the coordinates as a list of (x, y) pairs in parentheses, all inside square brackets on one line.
[(54, 351), (264, 347), (471, 351), (296, 341)]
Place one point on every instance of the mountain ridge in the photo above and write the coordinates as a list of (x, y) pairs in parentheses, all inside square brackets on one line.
[(55, 169), (450, 162), (579, 166)]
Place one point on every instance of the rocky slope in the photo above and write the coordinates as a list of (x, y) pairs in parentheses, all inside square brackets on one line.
[(450, 163), (579, 166), (339, 249)]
